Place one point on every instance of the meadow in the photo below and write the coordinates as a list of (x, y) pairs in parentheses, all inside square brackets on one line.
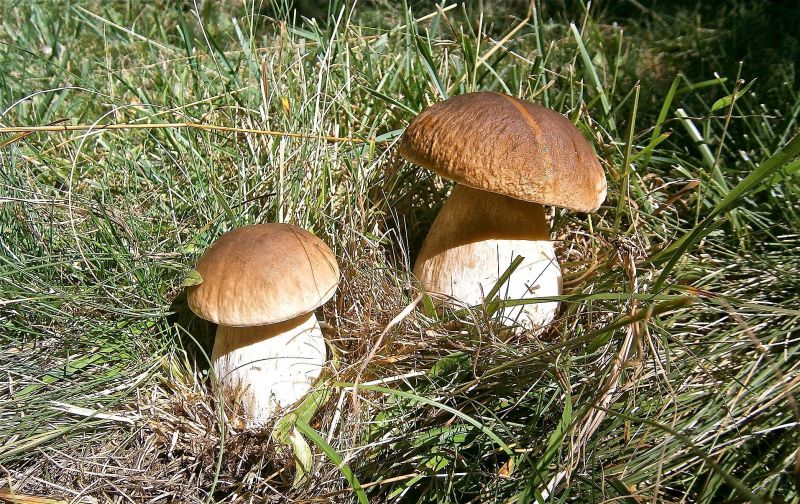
[(134, 134)]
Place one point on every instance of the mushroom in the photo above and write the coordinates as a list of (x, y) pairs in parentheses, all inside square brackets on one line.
[(261, 285), (509, 158)]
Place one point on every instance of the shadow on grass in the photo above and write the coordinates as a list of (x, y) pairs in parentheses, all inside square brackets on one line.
[(196, 335), (410, 200)]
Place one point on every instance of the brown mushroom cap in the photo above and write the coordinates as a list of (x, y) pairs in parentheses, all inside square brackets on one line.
[(263, 274), (498, 143)]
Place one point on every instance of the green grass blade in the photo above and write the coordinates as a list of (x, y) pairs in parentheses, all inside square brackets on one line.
[(771, 165), (589, 65), (414, 397), (334, 457)]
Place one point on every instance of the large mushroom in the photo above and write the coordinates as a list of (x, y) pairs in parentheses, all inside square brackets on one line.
[(261, 285), (509, 158)]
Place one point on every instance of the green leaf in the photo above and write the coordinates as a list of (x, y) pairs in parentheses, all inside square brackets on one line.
[(725, 101), (193, 277), (449, 364), (302, 413), (285, 430), (428, 307), (304, 458)]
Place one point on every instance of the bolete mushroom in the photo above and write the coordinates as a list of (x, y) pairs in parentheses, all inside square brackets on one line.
[(509, 158), (261, 285)]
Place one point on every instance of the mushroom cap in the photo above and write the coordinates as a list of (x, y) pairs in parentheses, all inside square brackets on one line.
[(498, 143), (263, 274)]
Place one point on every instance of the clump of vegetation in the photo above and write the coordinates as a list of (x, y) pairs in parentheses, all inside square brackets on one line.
[(671, 370)]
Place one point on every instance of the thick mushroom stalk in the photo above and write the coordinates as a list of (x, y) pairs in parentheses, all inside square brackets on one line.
[(472, 242), (262, 369)]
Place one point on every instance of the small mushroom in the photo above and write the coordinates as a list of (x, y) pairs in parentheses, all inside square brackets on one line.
[(261, 285), (509, 158)]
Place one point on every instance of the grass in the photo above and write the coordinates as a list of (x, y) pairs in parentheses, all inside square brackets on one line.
[(670, 375)]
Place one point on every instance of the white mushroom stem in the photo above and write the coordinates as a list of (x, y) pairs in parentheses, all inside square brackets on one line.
[(472, 242), (260, 369)]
